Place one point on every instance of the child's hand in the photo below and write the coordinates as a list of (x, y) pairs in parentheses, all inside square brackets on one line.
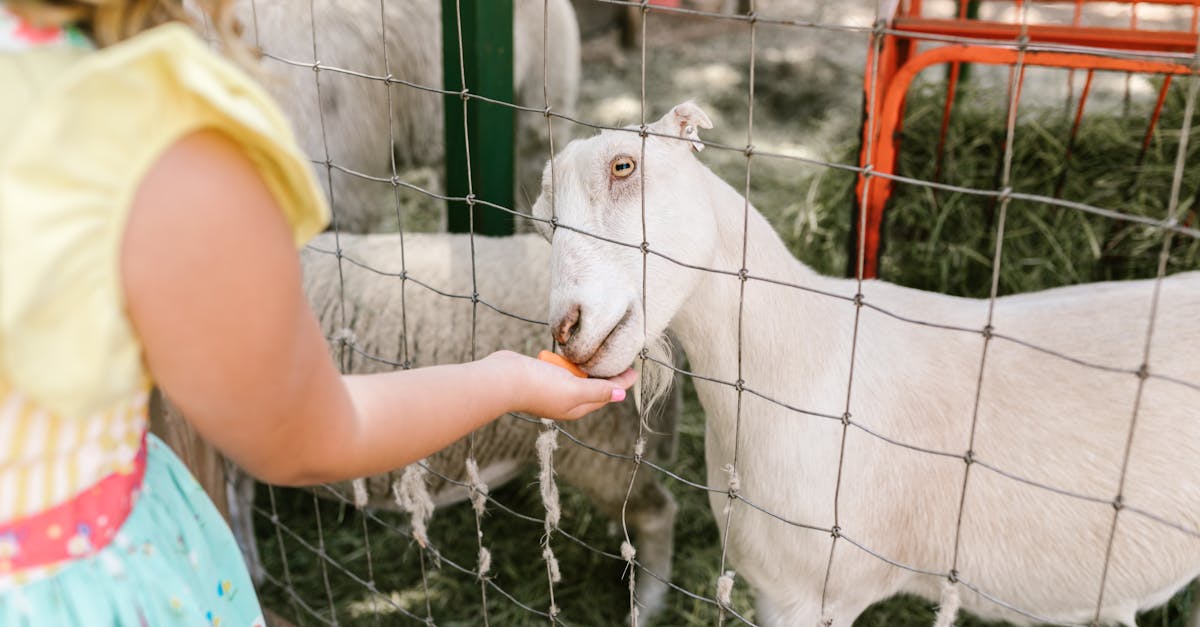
[(551, 392)]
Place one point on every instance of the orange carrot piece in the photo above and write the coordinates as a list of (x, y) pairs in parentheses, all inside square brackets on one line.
[(560, 361)]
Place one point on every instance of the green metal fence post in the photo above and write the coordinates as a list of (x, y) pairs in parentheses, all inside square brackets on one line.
[(487, 64)]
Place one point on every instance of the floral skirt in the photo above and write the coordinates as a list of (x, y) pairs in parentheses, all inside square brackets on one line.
[(172, 562)]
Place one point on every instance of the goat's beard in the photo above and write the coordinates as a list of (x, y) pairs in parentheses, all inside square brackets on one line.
[(656, 374)]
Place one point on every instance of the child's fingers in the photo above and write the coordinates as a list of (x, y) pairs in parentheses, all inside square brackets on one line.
[(609, 390), (625, 379), (584, 395)]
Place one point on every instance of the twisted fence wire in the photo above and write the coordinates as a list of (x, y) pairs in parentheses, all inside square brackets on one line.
[(836, 530), (1016, 78), (478, 488), (628, 550), (1168, 226), (343, 354), (546, 460), (725, 577), (1164, 254)]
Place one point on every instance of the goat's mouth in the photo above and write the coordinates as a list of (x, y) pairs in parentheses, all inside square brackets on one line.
[(601, 351)]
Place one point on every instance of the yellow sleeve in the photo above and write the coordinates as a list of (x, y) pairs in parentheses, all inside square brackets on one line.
[(66, 183)]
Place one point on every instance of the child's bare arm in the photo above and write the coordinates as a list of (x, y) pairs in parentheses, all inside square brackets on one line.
[(212, 285)]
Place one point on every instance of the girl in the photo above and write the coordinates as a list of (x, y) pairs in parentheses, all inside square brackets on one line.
[(151, 199)]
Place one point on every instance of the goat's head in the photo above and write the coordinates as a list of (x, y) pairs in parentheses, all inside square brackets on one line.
[(600, 193)]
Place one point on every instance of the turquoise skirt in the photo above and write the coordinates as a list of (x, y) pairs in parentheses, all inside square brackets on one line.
[(174, 562)]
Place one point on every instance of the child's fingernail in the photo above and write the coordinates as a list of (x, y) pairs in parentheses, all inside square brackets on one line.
[(618, 395)]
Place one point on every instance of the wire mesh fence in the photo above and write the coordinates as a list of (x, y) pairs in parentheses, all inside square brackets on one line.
[(524, 554)]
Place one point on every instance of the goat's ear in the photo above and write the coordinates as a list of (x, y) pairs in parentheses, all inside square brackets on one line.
[(684, 120)]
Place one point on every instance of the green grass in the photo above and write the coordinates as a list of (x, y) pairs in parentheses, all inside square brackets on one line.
[(944, 241), (592, 592), (935, 240)]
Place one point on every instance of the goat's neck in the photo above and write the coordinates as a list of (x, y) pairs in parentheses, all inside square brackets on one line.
[(785, 329)]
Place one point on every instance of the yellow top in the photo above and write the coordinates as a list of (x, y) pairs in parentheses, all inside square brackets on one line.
[(78, 130)]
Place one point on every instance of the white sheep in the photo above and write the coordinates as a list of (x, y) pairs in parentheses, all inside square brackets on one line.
[(351, 118), (365, 302), (1042, 418)]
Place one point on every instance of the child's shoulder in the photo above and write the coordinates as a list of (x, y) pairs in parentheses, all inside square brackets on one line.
[(80, 145)]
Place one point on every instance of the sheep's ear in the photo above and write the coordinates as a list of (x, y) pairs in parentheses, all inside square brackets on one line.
[(684, 120)]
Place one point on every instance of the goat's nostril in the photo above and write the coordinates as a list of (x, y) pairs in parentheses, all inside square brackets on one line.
[(567, 326)]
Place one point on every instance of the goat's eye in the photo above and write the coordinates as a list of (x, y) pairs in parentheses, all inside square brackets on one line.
[(622, 167)]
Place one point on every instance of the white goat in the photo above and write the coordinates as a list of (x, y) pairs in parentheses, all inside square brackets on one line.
[(1040, 417), (392, 324), (352, 117)]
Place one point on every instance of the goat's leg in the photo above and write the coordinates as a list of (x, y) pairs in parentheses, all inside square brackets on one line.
[(651, 517), (650, 514), (766, 611), (807, 611)]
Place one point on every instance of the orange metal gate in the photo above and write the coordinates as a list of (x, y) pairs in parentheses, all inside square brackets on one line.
[(893, 62)]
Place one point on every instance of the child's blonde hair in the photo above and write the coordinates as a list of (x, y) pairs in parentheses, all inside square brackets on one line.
[(110, 21)]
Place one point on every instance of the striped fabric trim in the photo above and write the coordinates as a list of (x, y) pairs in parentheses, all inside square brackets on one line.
[(46, 459)]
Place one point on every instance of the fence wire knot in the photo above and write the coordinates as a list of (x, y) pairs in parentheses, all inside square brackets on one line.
[(628, 552), (345, 336), (948, 605), (551, 564), (725, 589), (478, 488), (547, 443), (485, 562), (735, 481), (412, 495), (359, 486), (846, 419)]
